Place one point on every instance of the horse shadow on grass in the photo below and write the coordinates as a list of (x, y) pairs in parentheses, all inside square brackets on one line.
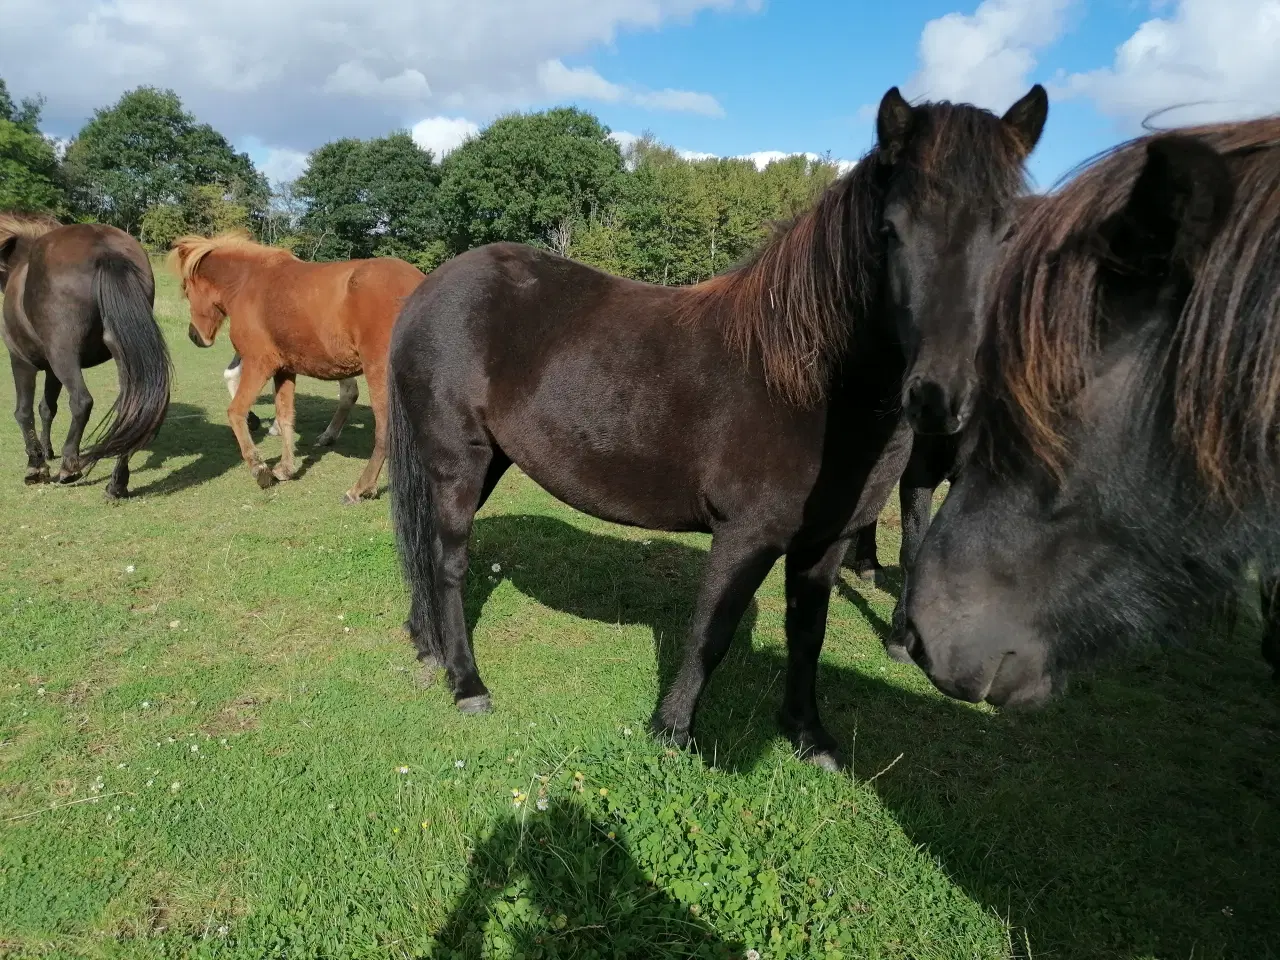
[(556, 885), (188, 431), (1139, 815)]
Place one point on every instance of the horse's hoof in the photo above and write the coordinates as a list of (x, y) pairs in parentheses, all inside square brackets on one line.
[(68, 476), (36, 475), (480, 704), (676, 737), (897, 651), (349, 499), (282, 473), (264, 476), (274, 429), (829, 760), (868, 574), (112, 495), (325, 440)]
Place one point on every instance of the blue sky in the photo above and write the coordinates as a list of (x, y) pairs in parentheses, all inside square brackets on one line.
[(724, 77)]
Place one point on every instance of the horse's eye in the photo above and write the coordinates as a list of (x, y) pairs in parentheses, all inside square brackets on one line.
[(1009, 233), (889, 232)]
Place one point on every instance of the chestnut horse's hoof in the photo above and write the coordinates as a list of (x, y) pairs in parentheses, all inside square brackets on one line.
[(264, 476), (282, 473), (349, 499), (480, 704)]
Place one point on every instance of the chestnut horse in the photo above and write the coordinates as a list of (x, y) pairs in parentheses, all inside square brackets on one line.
[(75, 297), (330, 321)]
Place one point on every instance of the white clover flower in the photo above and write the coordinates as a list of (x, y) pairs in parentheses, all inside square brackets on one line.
[(402, 770), (542, 803), (496, 568), (459, 764), (129, 569)]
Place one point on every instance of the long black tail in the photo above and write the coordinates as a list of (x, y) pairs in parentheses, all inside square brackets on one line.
[(142, 359), (413, 513)]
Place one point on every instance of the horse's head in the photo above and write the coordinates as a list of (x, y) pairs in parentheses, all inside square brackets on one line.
[(1081, 519), (954, 174), (186, 259)]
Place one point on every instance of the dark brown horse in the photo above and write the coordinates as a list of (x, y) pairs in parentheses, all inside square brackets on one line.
[(1126, 465), (762, 406), (329, 321), (75, 297)]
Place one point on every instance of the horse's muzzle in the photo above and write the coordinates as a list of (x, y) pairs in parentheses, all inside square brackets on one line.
[(194, 336)]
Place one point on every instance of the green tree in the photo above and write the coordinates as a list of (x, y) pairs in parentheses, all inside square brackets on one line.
[(146, 150), (30, 179), (368, 198), (528, 175)]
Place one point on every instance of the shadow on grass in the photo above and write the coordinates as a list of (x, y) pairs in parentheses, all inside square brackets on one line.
[(1137, 816), (188, 431), (556, 885)]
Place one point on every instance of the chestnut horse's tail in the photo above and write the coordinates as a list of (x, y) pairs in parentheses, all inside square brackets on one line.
[(124, 299), (413, 514)]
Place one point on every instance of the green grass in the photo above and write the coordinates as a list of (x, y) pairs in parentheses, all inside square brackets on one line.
[(205, 700)]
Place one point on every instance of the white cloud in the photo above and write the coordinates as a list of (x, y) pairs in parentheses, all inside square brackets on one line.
[(280, 165), (986, 57), (583, 83), (623, 139), (443, 135), (357, 80), (298, 73), (1219, 57)]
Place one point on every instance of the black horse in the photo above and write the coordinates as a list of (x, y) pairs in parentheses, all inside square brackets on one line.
[(1126, 464), (75, 297), (763, 406)]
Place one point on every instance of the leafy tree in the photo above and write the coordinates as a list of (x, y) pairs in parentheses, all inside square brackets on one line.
[(368, 198), (205, 210), (526, 175), (30, 180), (146, 150)]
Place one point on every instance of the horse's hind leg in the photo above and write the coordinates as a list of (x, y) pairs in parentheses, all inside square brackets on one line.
[(737, 566), (463, 473), (367, 485), (348, 394), (24, 382), (81, 402), (118, 485), (49, 410), (285, 383), (866, 564)]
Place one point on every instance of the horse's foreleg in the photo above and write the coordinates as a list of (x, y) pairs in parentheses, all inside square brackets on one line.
[(285, 383), (737, 565), (916, 504), (348, 394), (252, 380), (49, 410), (24, 383), (367, 485), (810, 577)]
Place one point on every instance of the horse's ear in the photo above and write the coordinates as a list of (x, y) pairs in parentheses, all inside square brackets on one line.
[(893, 126), (1178, 204), (1027, 117)]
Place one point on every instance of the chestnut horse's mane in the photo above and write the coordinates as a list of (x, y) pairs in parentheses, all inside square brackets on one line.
[(189, 251), (30, 225), (1223, 365), (816, 282)]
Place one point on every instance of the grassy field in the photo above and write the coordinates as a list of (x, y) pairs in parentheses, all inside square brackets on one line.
[(214, 742)]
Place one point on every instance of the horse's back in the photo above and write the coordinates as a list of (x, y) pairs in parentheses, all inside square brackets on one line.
[(594, 385)]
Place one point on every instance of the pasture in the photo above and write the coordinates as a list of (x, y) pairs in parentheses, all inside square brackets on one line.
[(215, 741)]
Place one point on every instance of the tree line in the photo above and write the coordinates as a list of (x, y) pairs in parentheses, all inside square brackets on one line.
[(553, 178)]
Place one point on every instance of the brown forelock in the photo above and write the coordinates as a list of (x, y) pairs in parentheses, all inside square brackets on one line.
[(1044, 318), (799, 300)]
